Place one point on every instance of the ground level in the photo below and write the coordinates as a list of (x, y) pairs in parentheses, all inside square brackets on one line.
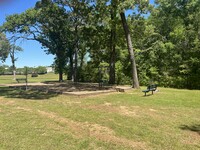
[(35, 119)]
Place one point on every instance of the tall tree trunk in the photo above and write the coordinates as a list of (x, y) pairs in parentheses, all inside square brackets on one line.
[(60, 62), (82, 60), (60, 70), (112, 61), (14, 71), (12, 55), (60, 75), (76, 54), (75, 65), (71, 68), (14, 74), (112, 44), (135, 82), (80, 71)]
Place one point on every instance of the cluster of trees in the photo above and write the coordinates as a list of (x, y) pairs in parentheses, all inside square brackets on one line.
[(4, 47), (170, 51), (89, 37), (8, 48), (8, 70)]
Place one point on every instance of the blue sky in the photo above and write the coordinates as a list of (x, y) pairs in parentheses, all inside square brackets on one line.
[(32, 55)]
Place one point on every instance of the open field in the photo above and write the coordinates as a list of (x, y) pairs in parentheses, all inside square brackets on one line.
[(8, 79), (168, 120)]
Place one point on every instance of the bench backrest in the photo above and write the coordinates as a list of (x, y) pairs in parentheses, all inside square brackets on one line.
[(152, 87), (21, 79)]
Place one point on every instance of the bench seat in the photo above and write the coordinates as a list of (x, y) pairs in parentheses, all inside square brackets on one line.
[(20, 80), (152, 88)]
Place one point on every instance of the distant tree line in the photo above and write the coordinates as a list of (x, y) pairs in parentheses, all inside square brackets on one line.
[(8, 70), (93, 39)]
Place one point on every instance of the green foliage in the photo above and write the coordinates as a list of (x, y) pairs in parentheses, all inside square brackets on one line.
[(4, 47), (47, 24), (34, 75), (167, 50), (166, 42), (121, 78), (4, 69), (40, 70)]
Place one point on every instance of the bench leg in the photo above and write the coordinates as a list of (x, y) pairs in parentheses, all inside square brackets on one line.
[(145, 93)]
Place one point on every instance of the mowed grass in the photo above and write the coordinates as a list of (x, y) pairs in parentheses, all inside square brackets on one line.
[(167, 120), (8, 79)]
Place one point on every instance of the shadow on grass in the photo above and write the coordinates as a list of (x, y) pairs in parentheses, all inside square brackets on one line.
[(147, 95), (194, 128), (51, 82), (30, 94)]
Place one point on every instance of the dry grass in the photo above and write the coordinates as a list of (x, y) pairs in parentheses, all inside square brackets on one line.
[(167, 120)]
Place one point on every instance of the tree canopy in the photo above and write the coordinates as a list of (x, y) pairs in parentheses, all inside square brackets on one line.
[(4, 47), (163, 41)]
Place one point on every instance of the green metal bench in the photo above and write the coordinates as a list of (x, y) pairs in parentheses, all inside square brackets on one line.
[(21, 80), (152, 88)]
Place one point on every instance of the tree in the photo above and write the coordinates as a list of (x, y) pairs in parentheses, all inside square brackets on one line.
[(113, 35), (4, 47), (79, 15), (13, 50), (47, 24), (118, 8), (142, 5), (73, 28), (174, 41), (55, 32), (135, 80), (40, 70), (3, 69)]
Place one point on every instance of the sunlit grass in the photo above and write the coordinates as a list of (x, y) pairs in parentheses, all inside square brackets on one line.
[(168, 120), (8, 79)]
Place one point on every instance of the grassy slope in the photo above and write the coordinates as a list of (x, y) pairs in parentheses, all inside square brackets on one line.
[(167, 120)]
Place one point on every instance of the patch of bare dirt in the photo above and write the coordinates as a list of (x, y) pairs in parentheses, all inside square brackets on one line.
[(107, 104), (68, 102), (192, 138), (85, 129), (70, 88), (122, 110), (76, 128), (103, 108), (97, 131), (153, 110), (7, 102), (24, 109)]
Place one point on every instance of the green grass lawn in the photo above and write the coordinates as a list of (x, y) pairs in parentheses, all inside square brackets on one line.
[(167, 120), (8, 79)]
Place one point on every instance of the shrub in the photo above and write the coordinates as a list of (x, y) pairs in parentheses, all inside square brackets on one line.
[(34, 75)]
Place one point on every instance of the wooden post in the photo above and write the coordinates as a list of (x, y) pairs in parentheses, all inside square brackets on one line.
[(26, 79)]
